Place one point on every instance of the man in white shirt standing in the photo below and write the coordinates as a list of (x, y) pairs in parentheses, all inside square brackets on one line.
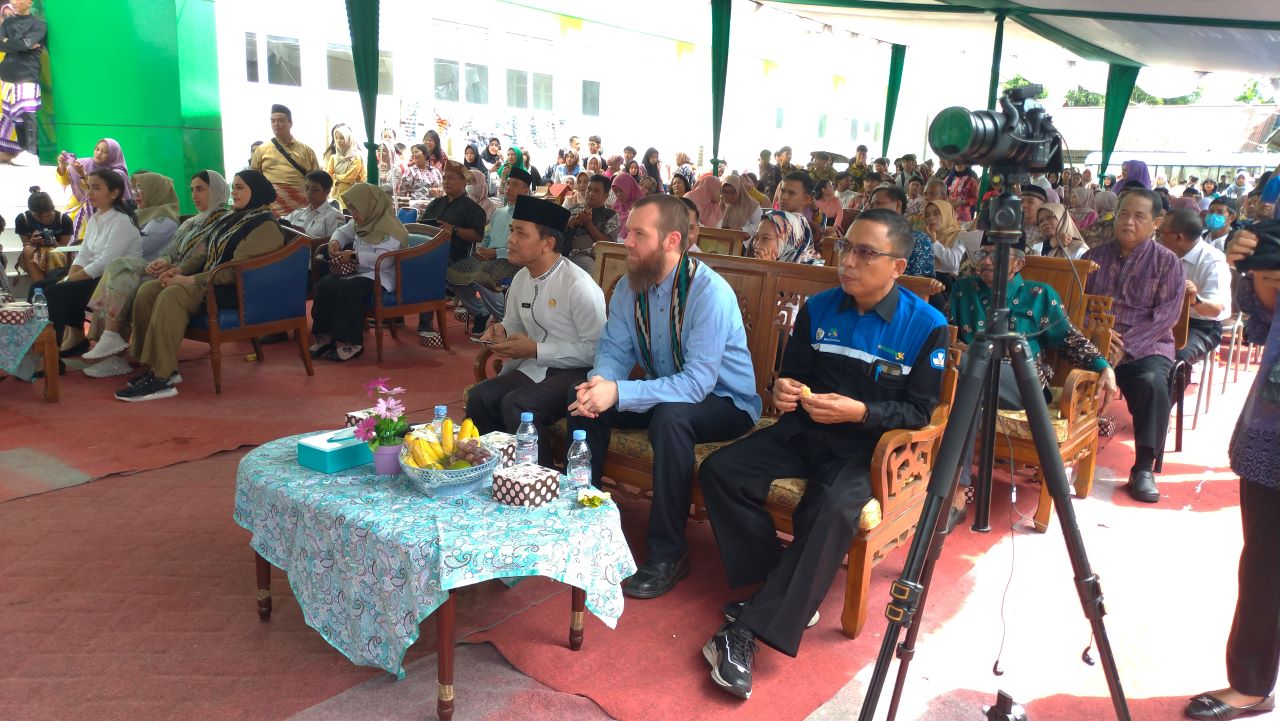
[(319, 219), (1208, 278), (548, 337)]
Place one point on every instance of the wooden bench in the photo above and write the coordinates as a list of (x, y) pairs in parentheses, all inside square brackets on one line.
[(721, 241), (769, 295)]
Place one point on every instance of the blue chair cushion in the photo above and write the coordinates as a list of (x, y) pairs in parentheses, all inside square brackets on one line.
[(228, 319)]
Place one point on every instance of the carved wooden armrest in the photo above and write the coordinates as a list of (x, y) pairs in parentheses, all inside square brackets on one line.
[(1079, 401), (904, 457), (482, 365)]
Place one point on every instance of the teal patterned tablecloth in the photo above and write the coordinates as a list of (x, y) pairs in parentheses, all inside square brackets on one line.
[(369, 558), (15, 341)]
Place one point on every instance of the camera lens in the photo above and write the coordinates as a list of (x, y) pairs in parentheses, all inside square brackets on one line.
[(962, 133)]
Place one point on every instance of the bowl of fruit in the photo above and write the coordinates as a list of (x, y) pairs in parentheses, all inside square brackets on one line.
[(447, 464)]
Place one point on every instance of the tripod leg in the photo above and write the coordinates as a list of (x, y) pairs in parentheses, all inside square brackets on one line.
[(906, 592), (982, 484), (1055, 478)]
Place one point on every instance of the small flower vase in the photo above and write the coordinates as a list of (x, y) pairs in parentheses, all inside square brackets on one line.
[(386, 460)]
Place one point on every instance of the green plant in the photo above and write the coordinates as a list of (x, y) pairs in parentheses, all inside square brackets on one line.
[(1018, 81), (1253, 93)]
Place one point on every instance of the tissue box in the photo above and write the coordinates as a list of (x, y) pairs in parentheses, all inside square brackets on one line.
[(333, 451), (355, 417), (16, 313), (502, 445), (526, 485)]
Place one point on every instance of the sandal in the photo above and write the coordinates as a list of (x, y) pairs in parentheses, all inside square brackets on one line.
[(319, 349)]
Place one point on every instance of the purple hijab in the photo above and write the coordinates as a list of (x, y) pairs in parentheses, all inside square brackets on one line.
[(1137, 170), (115, 161)]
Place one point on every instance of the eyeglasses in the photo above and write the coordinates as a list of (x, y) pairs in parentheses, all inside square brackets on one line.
[(863, 253)]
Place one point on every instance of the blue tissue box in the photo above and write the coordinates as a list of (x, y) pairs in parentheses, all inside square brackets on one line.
[(333, 451)]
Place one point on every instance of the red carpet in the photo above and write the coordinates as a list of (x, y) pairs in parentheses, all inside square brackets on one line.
[(90, 434)]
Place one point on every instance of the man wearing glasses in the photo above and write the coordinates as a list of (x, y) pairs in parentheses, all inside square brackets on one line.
[(863, 359)]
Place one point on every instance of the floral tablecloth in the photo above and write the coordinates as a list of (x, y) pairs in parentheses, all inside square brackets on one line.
[(369, 558), (15, 341)]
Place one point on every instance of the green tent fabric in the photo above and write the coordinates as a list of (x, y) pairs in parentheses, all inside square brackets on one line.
[(720, 17), (362, 17), (897, 58), (1120, 82)]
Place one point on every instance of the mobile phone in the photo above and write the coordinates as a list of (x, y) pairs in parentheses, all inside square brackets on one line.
[(482, 340)]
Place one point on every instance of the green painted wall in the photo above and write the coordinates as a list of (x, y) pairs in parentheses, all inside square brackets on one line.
[(154, 87)]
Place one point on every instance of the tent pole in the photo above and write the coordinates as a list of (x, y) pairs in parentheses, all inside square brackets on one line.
[(897, 58), (720, 16), (997, 52), (1120, 82), (362, 19)]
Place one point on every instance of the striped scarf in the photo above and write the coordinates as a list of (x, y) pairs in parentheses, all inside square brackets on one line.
[(232, 229), (679, 301)]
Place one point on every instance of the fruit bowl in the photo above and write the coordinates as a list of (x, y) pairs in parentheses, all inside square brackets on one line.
[(445, 482)]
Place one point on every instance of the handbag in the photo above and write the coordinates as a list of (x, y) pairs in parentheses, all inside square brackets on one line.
[(342, 268)]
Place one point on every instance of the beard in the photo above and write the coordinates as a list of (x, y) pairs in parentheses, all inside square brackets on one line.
[(645, 272)]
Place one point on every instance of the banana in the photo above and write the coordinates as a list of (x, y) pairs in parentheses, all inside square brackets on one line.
[(468, 430), (446, 436), (421, 452)]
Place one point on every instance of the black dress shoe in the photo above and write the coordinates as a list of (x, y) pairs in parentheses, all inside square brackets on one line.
[(1208, 708), (955, 517), (1142, 486), (654, 578), (78, 349)]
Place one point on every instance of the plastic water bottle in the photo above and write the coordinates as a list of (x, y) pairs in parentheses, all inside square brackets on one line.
[(437, 422), (40, 306), (578, 465), (526, 440)]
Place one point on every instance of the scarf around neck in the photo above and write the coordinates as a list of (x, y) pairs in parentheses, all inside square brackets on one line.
[(683, 280)]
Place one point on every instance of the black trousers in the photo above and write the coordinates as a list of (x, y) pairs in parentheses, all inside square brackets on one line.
[(338, 309), (674, 428), (1145, 384), (1203, 337), (1253, 648), (735, 482), (67, 301), (496, 404)]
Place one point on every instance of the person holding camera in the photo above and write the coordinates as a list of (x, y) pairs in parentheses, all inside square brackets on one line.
[(41, 229)]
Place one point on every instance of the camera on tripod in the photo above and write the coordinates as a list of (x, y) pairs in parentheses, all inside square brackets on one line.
[(1016, 140)]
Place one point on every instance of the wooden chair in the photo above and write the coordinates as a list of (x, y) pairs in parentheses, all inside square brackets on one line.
[(1180, 375), (721, 241), (1074, 411), (272, 297), (419, 282)]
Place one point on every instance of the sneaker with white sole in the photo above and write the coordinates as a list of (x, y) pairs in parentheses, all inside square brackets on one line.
[(146, 387), (114, 366), (730, 652), (110, 344), (733, 608)]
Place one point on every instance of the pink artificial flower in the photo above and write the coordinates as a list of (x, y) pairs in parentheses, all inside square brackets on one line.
[(365, 429), (377, 385), (393, 391), (389, 408)]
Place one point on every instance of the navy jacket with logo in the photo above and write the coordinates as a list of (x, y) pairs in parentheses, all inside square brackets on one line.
[(890, 358)]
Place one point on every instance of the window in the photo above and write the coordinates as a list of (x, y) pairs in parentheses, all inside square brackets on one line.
[(822, 125), (777, 118), (542, 94), (251, 57), (590, 97), (284, 61), (342, 70), (478, 84), (517, 89), (446, 80)]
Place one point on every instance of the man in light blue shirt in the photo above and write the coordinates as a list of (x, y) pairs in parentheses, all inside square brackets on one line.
[(679, 321)]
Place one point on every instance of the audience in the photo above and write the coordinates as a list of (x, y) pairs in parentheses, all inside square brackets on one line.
[(829, 207), (920, 262), (462, 221), (738, 210), (943, 228), (590, 222), (962, 192), (478, 190), (1059, 236), (492, 154), (769, 178), (285, 161), (1147, 285), (343, 161), (74, 173), (679, 321), (434, 151), (626, 193), (1219, 220), (157, 212), (549, 342), (471, 159), (337, 315), (319, 219), (1033, 198), (679, 186), (23, 37), (649, 163), (480, 281), (41, 229), (163, 307), (784, 237), (1103, 230), (1208, 283), (112, 301)]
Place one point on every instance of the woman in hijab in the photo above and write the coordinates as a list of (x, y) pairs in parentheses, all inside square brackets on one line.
[(337, 315), (943, 228), (614, 166), (342, 161), (1133, 170), (75, 173), (651, 166), (471, 160), (784, 237), (963, 192), (112, 301), (478, 189), (1109, 182), (1062, 239), (157, 212), (1084, 211), (515, 159), (634, 170), (706, 195), (626, 192), (739, 211), (163, 307)]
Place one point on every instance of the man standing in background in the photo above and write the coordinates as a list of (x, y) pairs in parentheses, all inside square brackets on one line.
[(22, 38), (285, 161)]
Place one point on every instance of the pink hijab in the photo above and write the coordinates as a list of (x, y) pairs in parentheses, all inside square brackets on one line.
[(626, 191), (706, 195)]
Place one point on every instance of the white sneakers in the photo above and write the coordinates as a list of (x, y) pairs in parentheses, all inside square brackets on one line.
[(110, 344), (114, 366)]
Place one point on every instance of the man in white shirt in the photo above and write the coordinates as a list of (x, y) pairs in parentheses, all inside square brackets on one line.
[(319, 219), (1208, 278), (548, 336), (1218, 221)]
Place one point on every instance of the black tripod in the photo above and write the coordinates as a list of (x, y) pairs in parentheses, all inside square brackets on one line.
[(979, 384)]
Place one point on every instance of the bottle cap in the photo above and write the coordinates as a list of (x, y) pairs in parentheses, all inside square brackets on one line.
[(442, 410), (579, 435), (526, 417)]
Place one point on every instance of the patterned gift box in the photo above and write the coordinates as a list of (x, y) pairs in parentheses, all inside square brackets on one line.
[(16, 313), (502, 445), (526, 485), (355, 417)]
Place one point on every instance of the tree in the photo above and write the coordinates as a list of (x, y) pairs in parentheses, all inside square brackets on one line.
[(1081, 98), (1018, 81), (1253, 93)]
